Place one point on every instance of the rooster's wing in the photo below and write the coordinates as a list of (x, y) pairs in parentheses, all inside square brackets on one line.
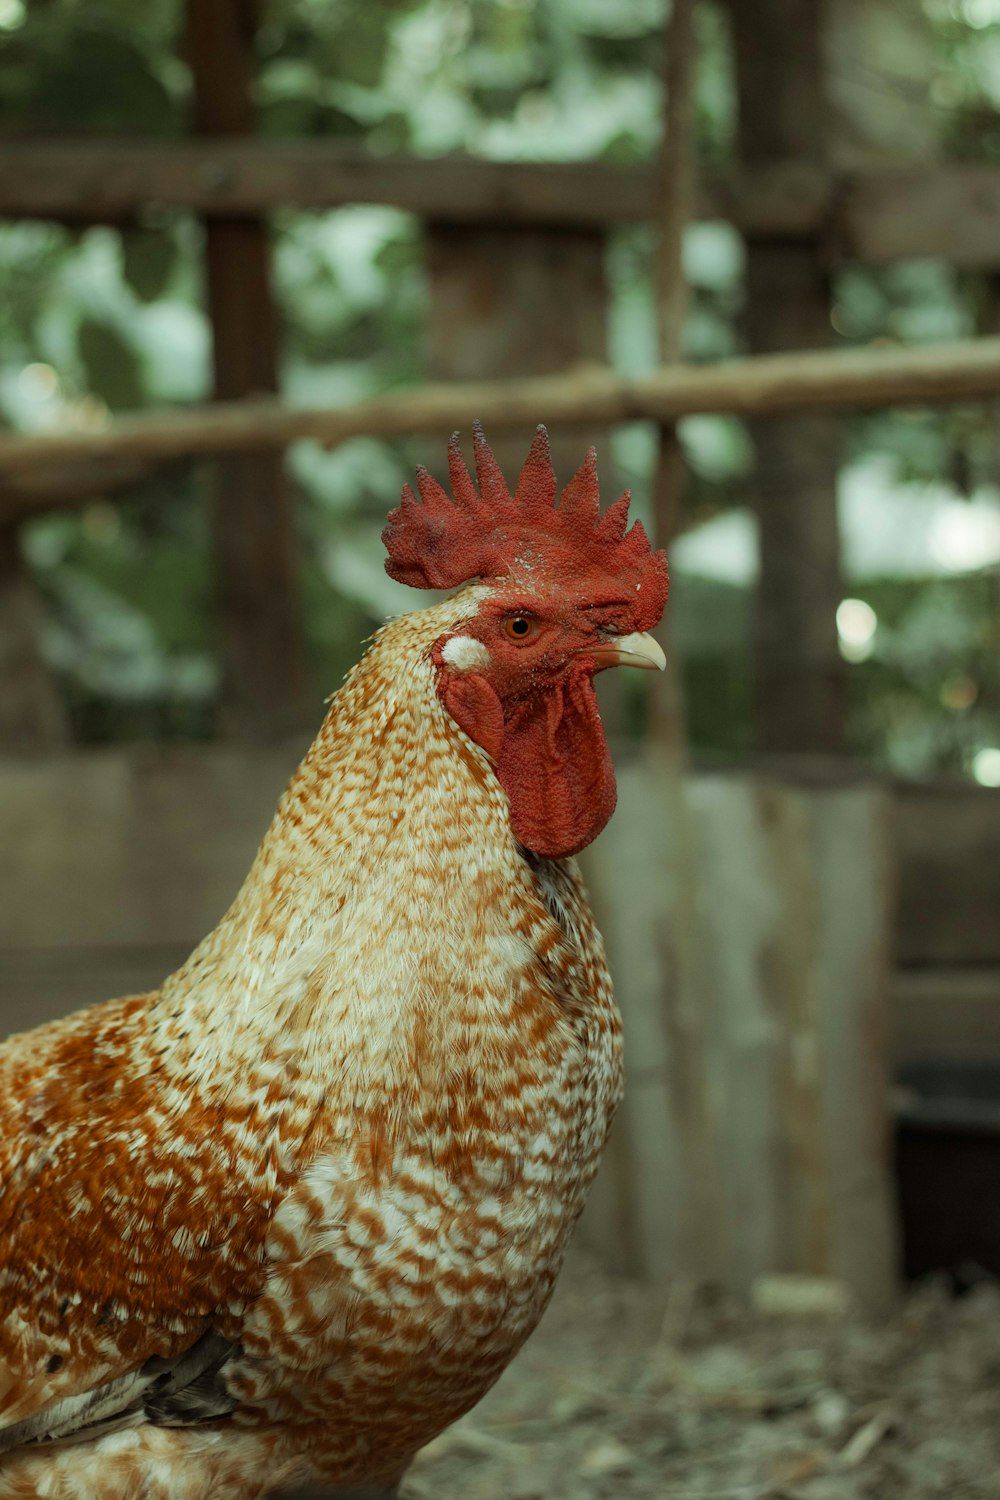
[(132, 1220)]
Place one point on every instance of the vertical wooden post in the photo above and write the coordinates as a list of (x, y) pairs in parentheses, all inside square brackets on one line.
[(255, 544), (799, 675), (31, 716), (675, 201)]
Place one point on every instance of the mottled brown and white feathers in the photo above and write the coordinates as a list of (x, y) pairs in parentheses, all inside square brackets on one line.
[(286, 1217)]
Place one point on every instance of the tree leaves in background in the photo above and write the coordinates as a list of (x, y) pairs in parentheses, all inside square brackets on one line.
[(148, 259), (62, 72), (113, 369)]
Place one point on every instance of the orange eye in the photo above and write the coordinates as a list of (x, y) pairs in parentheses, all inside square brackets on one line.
[(520, 628)]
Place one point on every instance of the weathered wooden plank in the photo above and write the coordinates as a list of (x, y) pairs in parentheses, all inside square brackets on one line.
[(852, 867), (835, 380), (53, 487), (676, 189), (83, 180)]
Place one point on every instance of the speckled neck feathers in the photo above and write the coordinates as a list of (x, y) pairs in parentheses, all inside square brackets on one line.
[(393, 812)]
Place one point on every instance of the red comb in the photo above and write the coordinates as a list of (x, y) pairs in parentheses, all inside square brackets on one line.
[(483, 533)]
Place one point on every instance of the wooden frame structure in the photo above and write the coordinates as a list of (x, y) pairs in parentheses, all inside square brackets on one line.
[(794, 204)]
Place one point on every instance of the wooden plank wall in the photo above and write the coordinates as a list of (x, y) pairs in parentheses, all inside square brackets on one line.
[(755, 1132)]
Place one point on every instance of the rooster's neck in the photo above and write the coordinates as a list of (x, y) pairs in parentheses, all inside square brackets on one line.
[(388, 874)]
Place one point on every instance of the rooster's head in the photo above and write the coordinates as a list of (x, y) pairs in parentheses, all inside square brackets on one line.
[(562, 592)]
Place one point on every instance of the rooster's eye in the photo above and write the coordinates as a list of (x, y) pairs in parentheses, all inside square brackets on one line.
[(520, 628)]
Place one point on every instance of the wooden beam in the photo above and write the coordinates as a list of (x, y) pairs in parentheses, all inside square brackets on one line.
[(951, 211), (668, 1016), (117, 179), (762, 385)]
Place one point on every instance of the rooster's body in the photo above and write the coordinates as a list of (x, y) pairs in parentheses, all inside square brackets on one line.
[(288, 1216)]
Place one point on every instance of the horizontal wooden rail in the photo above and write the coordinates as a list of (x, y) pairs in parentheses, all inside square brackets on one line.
[(836, 380), (950, 211)]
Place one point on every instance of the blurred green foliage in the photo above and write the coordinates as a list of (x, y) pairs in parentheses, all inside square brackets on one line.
[(100, 319)]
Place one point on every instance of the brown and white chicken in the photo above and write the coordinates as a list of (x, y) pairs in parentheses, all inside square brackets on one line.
[(285, 1218)]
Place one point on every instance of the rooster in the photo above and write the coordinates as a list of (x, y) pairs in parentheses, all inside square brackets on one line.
[(285, 1218)]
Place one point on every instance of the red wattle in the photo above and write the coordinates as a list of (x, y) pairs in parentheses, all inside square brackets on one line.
[(555, 767), (550, 756)]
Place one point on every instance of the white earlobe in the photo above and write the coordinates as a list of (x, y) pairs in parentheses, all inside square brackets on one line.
[(465, 653)]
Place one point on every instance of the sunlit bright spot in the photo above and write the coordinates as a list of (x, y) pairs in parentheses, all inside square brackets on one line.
[(981, 13), (986, 766), (959, 692), (857, 623), (965, 537), (12, 14), (37, 381)]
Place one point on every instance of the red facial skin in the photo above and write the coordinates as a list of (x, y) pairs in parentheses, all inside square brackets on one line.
[(581, 577), (534, 711)]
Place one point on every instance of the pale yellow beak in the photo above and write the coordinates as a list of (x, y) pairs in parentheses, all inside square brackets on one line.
[(636, 650)]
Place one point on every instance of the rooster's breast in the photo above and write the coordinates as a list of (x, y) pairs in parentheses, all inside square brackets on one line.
[(419, 1249)]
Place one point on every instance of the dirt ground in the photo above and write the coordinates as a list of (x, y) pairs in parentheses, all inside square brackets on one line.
[(630, 1394)]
